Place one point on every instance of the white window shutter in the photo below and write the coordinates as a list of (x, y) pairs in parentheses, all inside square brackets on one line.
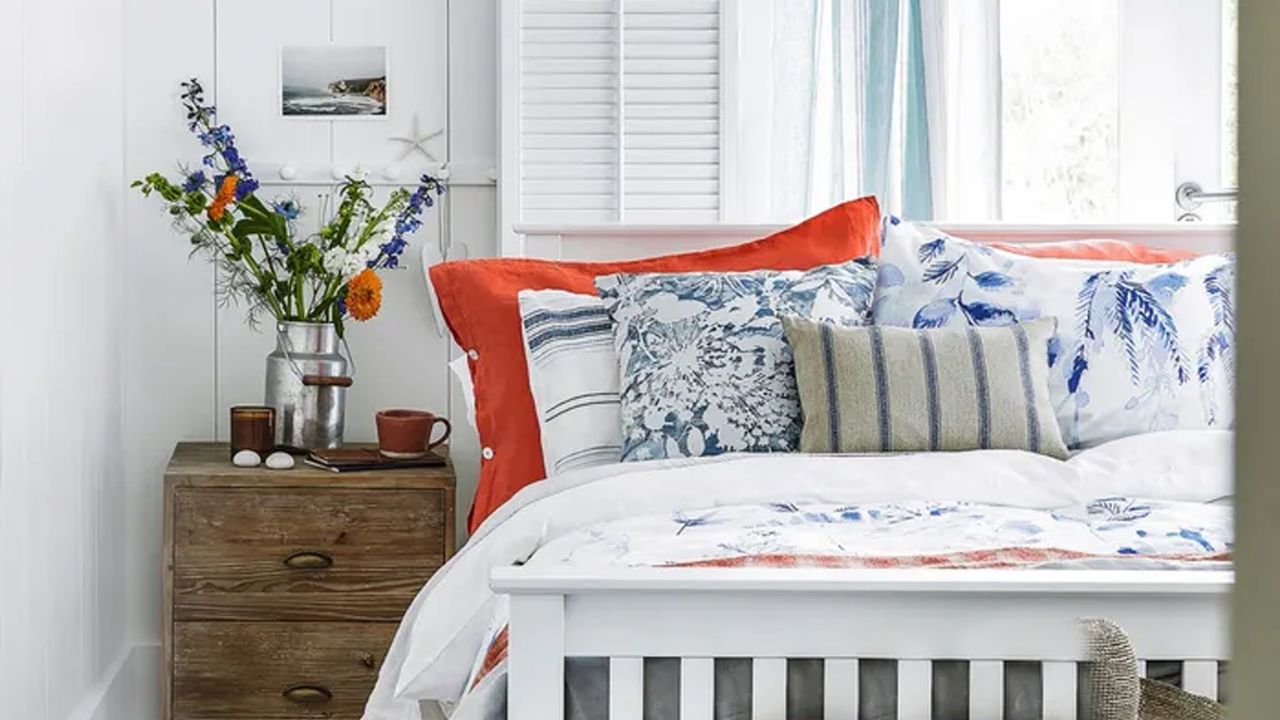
[(618, 112), (671, 110)]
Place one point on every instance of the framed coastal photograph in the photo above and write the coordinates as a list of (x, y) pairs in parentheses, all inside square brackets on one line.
[(333, 81)]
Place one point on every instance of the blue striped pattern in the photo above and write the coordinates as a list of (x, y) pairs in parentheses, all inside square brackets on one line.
[(983, 388), (833, 390), (881, 372), (1028, 389), (544, 326), (929, 358), (573, 376), (897, 389)]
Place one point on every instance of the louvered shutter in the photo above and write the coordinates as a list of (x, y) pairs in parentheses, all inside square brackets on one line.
[(619, 111)]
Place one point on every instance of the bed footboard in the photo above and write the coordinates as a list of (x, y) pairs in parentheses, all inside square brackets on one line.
[(914, 617)]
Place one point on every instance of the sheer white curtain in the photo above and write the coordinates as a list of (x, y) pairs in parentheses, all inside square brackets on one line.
[(801, 116), (896, 98), (961, 44)]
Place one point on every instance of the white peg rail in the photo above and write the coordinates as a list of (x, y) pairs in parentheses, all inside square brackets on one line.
[(985, 617)]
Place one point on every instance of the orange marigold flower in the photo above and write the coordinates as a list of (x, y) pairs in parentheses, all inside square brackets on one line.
[(225, 195), (364, 294)]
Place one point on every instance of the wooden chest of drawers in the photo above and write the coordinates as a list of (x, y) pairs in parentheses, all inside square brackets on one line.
[(283, 588)]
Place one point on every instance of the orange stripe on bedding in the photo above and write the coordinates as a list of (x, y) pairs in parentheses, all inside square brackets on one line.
[(1008, 557), (494, 656)]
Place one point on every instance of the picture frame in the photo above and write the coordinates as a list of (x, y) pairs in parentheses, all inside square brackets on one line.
[(334, 82)]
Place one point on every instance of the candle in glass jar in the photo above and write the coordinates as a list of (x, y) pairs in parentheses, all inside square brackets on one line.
[(253, 427)]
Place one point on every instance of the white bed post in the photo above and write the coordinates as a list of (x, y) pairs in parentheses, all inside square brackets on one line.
[(535, 658)]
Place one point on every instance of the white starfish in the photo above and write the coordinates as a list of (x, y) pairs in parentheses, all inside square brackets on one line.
[(417, 141)]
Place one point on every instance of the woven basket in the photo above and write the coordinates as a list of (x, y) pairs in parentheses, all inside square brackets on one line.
[(1118, 693), (1161, 701)]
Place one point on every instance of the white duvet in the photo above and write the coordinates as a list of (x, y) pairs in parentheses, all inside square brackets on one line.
[(447, 625)]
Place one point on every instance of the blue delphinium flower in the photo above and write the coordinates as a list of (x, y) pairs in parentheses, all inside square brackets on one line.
[(287, 209), (408, 222), (202, 120), (194, 182)]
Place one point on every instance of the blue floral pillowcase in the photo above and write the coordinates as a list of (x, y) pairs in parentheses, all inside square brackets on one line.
[(705, 367), (1139, 347)]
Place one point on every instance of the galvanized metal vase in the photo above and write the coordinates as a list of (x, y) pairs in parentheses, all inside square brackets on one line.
[(307, 383)]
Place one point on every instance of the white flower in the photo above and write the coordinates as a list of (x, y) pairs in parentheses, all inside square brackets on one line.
[(354, 264), (335, 260)]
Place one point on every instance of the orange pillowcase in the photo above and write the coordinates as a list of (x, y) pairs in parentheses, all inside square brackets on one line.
[(1114, 250), (478, 299)]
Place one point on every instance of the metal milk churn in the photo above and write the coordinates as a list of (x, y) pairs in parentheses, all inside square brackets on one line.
[(307, 384)]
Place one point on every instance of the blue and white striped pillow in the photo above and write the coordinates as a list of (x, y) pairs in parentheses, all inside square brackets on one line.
[(573, 376)]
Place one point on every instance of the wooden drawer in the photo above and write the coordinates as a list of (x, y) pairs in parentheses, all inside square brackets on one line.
[(267, 670), (303, 553)]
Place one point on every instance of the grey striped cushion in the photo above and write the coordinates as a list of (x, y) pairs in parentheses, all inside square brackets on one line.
[(890, 389)]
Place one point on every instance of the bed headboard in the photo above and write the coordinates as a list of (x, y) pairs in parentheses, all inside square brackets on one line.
[(620, 242)]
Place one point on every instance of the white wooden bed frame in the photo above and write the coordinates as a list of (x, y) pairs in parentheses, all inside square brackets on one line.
[(986, 617)]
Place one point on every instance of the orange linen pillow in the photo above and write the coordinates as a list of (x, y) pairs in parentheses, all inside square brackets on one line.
[(1114, 250), (478, 299)]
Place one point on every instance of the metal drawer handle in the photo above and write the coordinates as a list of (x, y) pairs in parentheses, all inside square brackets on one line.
[(308, 694), (308, 560)]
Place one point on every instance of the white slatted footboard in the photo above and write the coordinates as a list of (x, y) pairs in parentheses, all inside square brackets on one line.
[(915, 617)]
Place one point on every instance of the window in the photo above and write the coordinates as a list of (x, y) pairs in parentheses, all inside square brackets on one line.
[(697, 111), (1060, 96), (1230, 99)]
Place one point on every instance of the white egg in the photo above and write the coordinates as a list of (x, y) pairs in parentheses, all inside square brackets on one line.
[(279, 461), (246, 458)]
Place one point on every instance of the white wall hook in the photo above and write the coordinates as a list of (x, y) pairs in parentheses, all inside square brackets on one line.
[(443, 172), (391, 172), (338, 172), (493, 174), (287, 172)]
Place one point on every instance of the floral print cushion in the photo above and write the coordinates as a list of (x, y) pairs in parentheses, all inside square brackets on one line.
[(1139, 347), (705, 368)]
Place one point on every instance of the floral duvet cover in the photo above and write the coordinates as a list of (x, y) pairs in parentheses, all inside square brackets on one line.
[(1138, 503)]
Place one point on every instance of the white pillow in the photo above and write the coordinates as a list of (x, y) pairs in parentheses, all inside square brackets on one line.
[(573, 376), (462, 373), (1139, 347)]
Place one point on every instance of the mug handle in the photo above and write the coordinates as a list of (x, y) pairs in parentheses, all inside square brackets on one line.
[(448, 428)]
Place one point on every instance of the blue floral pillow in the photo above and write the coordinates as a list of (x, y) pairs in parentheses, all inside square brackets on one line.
[(705, 367), (1139, 347)]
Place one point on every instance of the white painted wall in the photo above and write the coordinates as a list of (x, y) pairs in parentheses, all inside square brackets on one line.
[(62, 550), (185, 360)]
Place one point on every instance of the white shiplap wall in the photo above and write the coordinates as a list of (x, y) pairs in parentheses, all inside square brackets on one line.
[(62, 552), (186, 361)]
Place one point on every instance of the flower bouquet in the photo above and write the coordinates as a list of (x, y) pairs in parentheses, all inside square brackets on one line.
[(310, 283), (262, 258)]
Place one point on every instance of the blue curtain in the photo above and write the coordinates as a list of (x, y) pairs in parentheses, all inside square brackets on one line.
[(879, 66), (917, 193), (850, 57)]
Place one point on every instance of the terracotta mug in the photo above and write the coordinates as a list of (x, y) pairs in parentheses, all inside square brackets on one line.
[(406, 434)]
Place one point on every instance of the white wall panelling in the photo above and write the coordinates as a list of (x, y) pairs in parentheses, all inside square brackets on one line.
[(187, 360), (62, 504), (169, 359)]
